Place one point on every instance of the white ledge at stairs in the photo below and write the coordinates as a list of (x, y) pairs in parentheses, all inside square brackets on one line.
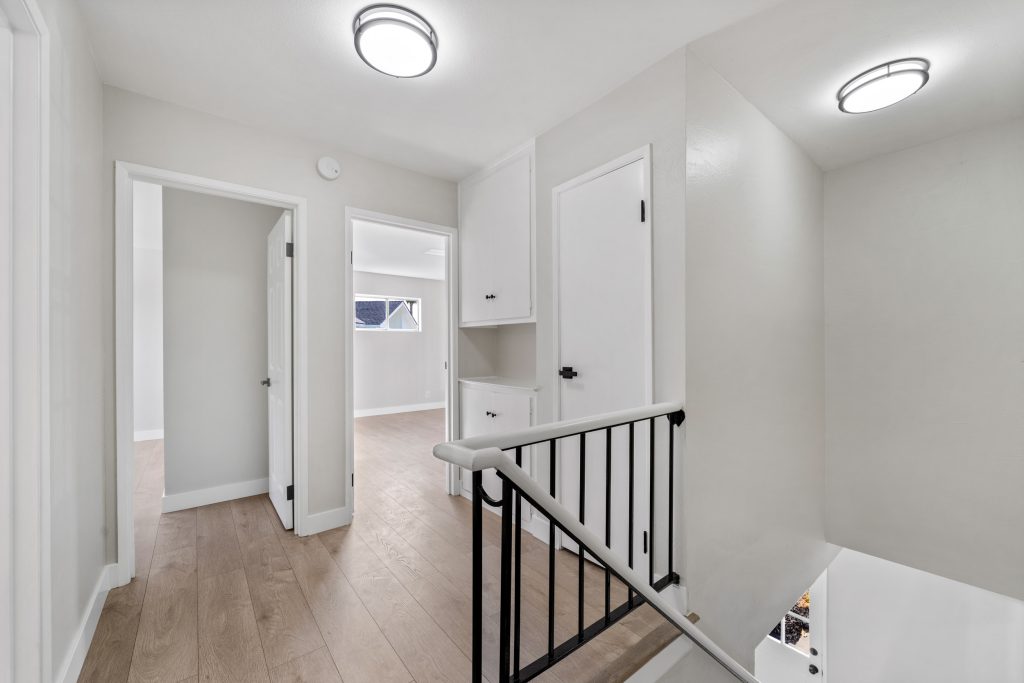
[(514, 383)]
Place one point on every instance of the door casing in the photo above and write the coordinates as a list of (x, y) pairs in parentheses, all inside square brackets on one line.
[(125, 174)]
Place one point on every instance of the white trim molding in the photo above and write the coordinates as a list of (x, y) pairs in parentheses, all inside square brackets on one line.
[(451, 402), (394, 410), (72, 667), (149, 435), (214, 494), (124, 175)]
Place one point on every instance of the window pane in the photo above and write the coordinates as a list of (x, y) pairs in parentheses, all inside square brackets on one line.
[(401, 317), (798, 633), (370, 314), (776, 632)]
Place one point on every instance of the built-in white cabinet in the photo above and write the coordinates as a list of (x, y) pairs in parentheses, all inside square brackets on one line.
[(493, 405), (496, 243)]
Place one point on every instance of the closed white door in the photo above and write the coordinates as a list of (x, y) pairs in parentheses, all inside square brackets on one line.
[(603, 283), (279, 367)]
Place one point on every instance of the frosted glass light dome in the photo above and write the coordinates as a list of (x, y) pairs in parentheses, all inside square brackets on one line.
[(883, 85), (395, 41)]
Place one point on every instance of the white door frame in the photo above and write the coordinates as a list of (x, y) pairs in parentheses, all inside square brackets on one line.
[(642, 154), (451, 474), (124, 175), (25, 571)]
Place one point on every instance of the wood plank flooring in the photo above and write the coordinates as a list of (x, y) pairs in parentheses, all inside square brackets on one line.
[(224, 593)]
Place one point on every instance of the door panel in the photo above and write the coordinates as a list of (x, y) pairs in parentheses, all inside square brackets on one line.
[(782, 662), (477, 421), (604, 323), (279, 367)]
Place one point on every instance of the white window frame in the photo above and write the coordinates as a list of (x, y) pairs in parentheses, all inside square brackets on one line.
[(782, 628), (387, 298)]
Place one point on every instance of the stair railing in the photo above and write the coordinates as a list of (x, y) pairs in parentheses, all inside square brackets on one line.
[(492, 452)]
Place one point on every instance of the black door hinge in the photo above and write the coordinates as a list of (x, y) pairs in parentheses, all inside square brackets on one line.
[(289, 248), (645, 543), (643, 211), (289, 493), (353, 481)]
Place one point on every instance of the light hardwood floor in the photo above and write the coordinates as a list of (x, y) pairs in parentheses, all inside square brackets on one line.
[(224, 593)]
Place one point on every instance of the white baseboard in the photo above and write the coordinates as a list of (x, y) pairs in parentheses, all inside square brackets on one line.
[(329, 519), (75, 658), (391, 410), (149, 435), (214, 494)]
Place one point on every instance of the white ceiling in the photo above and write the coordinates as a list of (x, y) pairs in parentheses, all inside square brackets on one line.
[(507, 69), (792, 59), (384, 249)]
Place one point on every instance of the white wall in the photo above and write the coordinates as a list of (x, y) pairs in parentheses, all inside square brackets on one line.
[(81, 330), (215, 340), (888, 623), (148, 311), (754, 474), (925, 333), (154, 133), (395, 369)]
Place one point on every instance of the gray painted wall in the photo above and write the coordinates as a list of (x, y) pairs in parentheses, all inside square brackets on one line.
[(215, 340), (924, 291), (81, 329), (754, 464), (402, 368)]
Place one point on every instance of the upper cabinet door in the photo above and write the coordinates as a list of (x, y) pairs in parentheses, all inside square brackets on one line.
[(496, 238)]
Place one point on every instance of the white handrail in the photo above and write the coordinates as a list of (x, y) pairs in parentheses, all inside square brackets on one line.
[(555, 430), (485, 452)]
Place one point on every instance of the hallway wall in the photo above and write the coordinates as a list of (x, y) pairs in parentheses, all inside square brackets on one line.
[(154, 133), (924, 262), (754, 464), (81, 328)]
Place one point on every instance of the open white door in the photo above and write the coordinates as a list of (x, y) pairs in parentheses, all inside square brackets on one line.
[(604, 328), (279, 366)]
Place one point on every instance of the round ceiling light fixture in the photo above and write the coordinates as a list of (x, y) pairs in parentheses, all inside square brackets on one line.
[(883, 85), (395, 41)]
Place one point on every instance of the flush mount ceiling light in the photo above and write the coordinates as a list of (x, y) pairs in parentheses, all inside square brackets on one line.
[(884, 85), (395, 41)]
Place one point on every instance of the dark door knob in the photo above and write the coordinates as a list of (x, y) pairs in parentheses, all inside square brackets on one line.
[(265, 382), (567, 372), (813, 669)]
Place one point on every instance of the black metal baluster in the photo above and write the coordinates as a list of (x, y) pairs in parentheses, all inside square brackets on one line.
[(632, 425), (551, 558), (607, 520), (671, 490), (519, 567), (583, 501), (478, 578), (650, 530), (505, 610)]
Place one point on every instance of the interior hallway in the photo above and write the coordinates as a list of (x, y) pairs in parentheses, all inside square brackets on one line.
[(224, 593)]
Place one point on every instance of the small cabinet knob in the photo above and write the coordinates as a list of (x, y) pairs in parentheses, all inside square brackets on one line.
[(265, 382), (813, 669)]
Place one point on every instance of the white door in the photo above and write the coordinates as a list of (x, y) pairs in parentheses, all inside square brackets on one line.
[(279, 367), (794, 651), (603, 283)]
